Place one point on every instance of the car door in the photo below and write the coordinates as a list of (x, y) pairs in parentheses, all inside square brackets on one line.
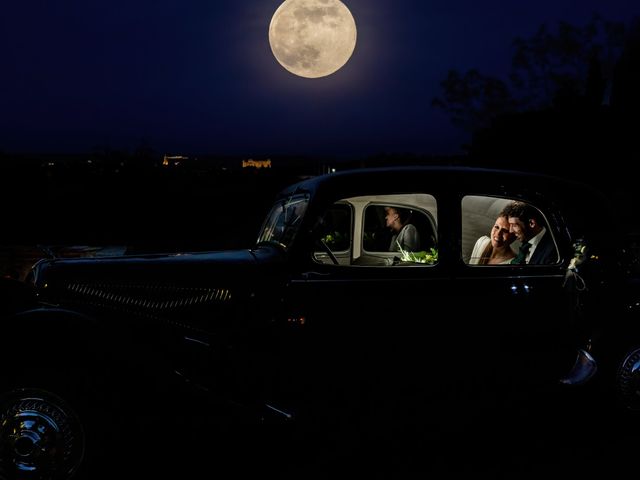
[(525, 315), (369, 332)]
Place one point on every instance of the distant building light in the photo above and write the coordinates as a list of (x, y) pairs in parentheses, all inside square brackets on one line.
[(333, 170), (256, 163), (172, 160)]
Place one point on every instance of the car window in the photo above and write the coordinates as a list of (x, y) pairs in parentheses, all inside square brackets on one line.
[(379, 230), (333, 234), (379, 237), (283, 221), (494, 230)]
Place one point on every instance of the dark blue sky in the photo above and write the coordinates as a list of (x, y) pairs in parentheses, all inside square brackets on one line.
[(195, 76)]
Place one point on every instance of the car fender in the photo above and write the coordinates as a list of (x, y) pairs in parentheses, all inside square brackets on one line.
[(46, 330)]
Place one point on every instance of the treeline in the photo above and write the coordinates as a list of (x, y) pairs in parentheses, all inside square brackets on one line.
[(569, 105)]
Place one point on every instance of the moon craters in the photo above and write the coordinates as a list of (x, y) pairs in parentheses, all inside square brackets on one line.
[(312, 38)]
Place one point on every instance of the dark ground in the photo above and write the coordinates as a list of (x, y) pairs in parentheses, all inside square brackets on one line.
[(547, 447)]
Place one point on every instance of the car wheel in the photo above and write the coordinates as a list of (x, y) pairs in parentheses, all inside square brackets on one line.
[(57, 419), (41, 436), (629, 380)]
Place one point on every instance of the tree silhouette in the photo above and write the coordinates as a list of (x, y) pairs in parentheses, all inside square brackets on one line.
[(625, 95), (473, 99), (564, 65)]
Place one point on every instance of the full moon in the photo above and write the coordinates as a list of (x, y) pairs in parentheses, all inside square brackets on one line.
[(312, 38)]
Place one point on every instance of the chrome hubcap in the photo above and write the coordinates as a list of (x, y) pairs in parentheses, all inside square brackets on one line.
[(41, 438)]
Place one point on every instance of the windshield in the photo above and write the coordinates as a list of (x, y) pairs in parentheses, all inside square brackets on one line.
[(283, 221)]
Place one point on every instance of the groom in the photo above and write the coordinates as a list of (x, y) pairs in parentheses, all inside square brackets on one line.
[(526, 222)]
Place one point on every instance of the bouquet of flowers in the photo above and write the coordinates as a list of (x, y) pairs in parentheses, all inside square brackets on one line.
[(429, 257)]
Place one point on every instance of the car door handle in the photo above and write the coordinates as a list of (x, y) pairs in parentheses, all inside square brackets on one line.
[(314, 275)]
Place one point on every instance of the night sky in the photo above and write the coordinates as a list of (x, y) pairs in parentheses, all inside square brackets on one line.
[(195, 76)]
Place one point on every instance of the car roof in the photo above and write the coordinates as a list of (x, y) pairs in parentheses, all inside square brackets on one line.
[(581, 202), (420, 177)]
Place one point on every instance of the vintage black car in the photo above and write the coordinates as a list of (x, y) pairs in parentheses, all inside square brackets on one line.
[(327, 322)]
